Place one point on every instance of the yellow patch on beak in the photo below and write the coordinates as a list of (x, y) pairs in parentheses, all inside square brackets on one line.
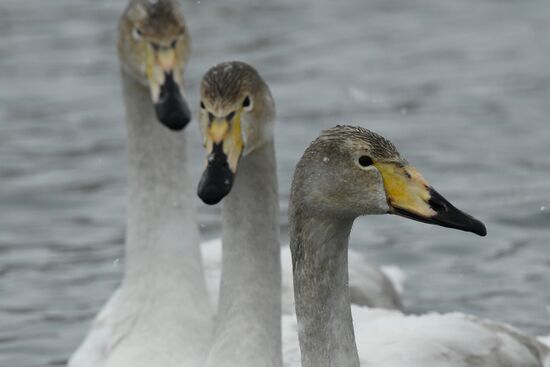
[(166, 59), (158, 64), (406, 189), (218, 130), (227, 133)]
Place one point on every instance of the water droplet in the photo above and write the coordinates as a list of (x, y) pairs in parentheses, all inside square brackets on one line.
[(326, 159), (116, 262), (226, 182), (542, 208), (211, 158)]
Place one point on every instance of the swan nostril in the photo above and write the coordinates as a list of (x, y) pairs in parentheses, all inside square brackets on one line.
[(438, 207), (437, 202)]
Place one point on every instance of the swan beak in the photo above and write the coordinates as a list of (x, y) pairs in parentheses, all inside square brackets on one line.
[(410, 195), (224, 145), (170, 107)]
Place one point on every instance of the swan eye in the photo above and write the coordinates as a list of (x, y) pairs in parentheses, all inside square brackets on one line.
[(202, 105), (137, 34), (365, 161), (247, 104)]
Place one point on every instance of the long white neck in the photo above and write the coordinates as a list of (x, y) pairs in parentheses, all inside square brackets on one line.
[(248, 328), (319, 248), (164, 271)]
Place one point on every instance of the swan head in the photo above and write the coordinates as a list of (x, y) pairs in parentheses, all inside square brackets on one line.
[(350, 171), (153, 47), (236, 117)]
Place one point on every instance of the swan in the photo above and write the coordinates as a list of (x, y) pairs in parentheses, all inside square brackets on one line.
[(345, 173), (237, 120), (160, 315)]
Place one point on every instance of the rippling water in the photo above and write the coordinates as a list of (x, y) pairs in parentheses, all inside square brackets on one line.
[(462, 88)]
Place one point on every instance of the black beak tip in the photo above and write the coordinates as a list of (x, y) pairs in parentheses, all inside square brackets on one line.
[(458, 220), (210, 195), (478, 228), (175, 120), (449, 216), (171, 109), (446, 215), (217, 179)]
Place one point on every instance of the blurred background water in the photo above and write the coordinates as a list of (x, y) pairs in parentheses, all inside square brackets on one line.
[(462, 88)]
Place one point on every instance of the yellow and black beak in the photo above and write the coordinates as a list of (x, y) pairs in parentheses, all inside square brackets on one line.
[(410, 195), (170, 107), (224, 144)]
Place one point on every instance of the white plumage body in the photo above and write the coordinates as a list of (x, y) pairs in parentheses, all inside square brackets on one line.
[(391, 339), (109, 327)]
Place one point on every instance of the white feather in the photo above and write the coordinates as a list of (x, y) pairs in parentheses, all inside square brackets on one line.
[(391, 339), (366, 279)]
